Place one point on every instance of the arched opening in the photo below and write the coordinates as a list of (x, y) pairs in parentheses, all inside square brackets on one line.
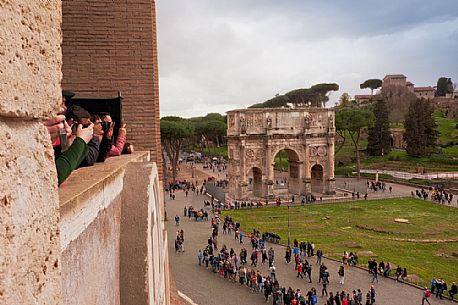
[(391, 141), (286, 166), (317, 178), (255, 182)]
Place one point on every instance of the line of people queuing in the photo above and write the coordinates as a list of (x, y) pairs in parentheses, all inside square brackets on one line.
[(228, 265), (233, 267)]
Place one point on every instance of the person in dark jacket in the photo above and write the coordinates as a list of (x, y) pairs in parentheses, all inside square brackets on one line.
[(453, 290), (78, 115)]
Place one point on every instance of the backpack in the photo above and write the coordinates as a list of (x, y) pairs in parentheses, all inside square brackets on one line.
[(314, 299), (427, 293)]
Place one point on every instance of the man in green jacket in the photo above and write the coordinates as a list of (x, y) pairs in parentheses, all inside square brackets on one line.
[(78, 149)]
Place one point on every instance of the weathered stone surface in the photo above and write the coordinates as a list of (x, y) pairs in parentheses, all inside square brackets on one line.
[(29, 235), (30, 58), (112, 241), (90, 263), (143, 248)]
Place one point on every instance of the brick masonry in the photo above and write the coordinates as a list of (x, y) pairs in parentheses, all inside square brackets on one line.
[(111, 46)]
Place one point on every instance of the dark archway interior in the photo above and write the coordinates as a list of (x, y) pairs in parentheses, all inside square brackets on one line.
[(255, 177), (286, 172), (317, 178)]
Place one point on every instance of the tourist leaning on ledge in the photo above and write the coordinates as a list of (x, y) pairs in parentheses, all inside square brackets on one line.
[(77, 150)]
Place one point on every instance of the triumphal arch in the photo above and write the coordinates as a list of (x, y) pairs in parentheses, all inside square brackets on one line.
[(256, 135)]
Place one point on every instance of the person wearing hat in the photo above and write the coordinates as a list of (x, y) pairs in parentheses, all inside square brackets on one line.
[(66, 95), (78, 115), (425, 296)]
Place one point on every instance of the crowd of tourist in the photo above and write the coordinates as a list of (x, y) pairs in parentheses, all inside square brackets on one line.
[(187, 186), (81, 139), (437, 194), (235, 268), (378, 186)]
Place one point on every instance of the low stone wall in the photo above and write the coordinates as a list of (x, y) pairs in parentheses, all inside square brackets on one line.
[(112, 239)]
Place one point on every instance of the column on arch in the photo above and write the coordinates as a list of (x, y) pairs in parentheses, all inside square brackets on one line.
[(330, 184), (269, 170), (307, 176)]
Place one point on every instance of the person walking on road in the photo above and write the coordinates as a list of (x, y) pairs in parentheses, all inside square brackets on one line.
[(319, 255), (374, 275), (272, 273), (342, 274), (199, 257), (177, 220), (426, 295), (373, 294), (324, 290)]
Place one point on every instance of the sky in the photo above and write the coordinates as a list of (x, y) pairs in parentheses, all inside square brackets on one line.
[(219, 55)]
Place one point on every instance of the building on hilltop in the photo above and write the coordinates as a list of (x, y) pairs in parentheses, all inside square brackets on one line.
[(362, 99), (401, 81), (394, 79), (424, 92)]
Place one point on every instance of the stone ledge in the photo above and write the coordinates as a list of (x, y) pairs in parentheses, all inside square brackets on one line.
[(86, 181)]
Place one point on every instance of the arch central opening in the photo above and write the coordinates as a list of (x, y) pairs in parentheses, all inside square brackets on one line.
[(287, 173), (317, 178)]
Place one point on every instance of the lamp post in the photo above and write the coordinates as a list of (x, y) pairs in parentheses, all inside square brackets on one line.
[(289, 233)]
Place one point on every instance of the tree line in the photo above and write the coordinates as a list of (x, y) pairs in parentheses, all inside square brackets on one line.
[(198, 131)]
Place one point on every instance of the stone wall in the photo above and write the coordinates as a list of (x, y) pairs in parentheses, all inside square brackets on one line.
[(64, 246), (30, 73), (111, 46), (112, 237)]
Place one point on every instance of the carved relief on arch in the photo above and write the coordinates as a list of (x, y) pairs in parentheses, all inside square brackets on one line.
[(318, 151), (253, 154)]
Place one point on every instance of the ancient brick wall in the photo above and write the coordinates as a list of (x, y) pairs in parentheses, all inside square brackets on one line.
[(111, 46)]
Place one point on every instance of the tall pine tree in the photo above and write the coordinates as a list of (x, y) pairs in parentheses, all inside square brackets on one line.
[(420, 129), (379, 136)]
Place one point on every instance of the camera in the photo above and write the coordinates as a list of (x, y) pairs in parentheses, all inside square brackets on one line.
[(105, 125), (63, 140)]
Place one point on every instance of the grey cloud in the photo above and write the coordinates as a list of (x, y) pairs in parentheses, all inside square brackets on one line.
[(218, 55)]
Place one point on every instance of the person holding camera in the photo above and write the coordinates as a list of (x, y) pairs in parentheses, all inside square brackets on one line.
[(118, 146), (77, 146), (77, 115), (104, 132)]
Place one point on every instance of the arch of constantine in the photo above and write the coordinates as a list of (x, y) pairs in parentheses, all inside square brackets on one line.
[(256, 135)]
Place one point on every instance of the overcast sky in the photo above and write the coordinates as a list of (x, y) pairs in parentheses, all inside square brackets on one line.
[(218, 55)]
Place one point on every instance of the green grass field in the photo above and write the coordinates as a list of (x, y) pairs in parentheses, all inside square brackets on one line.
[(446, 128), (369, 226)]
